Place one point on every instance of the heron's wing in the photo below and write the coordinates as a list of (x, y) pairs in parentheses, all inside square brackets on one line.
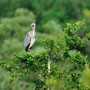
[(27, 39)]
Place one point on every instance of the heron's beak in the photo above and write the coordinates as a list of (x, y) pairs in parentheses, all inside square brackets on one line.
[(33, 27)]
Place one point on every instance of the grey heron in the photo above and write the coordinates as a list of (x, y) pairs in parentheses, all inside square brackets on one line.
[(30, 38)]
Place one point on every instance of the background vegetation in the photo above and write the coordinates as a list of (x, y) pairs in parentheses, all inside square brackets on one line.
[(66, 24)]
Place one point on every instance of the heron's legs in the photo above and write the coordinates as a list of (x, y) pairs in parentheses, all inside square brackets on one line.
[(26, 49)]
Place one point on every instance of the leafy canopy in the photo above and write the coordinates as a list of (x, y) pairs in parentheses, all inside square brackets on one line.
[(64, 66)]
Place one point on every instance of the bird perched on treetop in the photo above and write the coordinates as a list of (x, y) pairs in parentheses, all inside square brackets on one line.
[(30, 38)]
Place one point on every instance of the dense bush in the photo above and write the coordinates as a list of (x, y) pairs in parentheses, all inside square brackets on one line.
[(56, 63)]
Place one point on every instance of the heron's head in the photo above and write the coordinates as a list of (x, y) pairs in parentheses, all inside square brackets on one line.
[(33, 26)]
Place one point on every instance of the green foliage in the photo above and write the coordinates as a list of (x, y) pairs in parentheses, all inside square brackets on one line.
[(16, 85), (86, 77), (58, 52), (65, 51), (9, 46), (73, 38), (7, 7), (59, 10), (54, 84), (51, 27)]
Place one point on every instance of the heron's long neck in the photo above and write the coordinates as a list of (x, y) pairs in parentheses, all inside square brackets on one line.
[(34, 32)]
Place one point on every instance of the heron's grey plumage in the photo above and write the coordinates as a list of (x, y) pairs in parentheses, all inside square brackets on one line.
[(29, 39)]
